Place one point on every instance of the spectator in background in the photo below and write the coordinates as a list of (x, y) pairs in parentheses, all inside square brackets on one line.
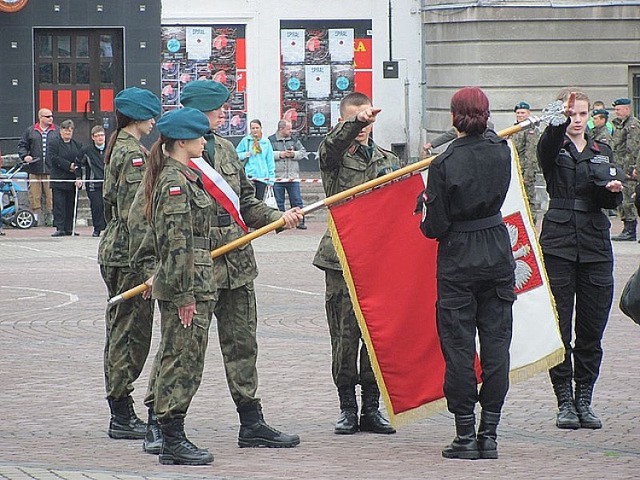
[(32, 149), (64, 158), (287, 152), (255, 151), (93, 166)]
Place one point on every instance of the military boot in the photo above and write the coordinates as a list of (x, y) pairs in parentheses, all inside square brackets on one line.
[(628, 234), (567, 417), (347, 423), (124, 423), (371, 420), (255, 432), (152, 442), (588, 418), (465, 445), (177, 449), (487, 434)]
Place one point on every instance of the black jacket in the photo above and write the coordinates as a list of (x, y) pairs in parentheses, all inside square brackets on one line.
[(60, 156), (575, 234), (31, 144), (93, 165), (469, 181)]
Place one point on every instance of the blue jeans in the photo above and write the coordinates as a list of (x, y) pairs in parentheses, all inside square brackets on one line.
[(293, 189)]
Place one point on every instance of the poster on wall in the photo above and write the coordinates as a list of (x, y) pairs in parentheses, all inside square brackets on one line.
[(213, 52), (321, 62)]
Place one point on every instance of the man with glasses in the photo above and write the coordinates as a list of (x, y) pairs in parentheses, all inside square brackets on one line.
[(32, 149), (93, 166)]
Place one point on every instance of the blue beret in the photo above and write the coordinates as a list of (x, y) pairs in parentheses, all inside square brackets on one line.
[(621, 101), (521, 105), (600, 111), (183, 124), (138, 103), (204, 95)]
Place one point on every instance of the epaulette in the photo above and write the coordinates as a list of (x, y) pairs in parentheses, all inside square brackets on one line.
[(353, 148), (189, 174)]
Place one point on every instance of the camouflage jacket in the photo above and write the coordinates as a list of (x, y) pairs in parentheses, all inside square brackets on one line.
[(181, 220), (122, 176), (142, 253), (526, 142), (238, 267), (600, 134), (626, 143), (344, 164)]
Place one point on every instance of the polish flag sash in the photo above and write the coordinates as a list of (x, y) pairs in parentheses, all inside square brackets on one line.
[(219, 189)]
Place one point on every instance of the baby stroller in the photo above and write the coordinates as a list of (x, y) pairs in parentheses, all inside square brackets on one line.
[(11, 185)]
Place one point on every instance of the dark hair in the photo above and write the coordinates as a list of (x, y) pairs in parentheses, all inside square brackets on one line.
[(470, 109), (355, 99), (67, 124), (255, 120), (121, 122), (155, 163), (282, 124)]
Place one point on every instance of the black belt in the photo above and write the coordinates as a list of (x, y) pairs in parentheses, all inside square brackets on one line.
[(223, 220), (203, 243), (479, 224), (573, 204)]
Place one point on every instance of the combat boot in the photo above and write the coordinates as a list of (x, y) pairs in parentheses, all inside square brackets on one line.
[(587, 416), (152, 442), (255, 432), (371, 420), (628, 234), (347, 423), (567, 417), (465, 445), (124, 423), (177, 449), (487, 434)]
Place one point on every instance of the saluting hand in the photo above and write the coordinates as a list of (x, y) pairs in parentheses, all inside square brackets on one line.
[(368, 114), (569, 105)]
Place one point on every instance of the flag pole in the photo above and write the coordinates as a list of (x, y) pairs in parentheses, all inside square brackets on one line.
[(553, 114)]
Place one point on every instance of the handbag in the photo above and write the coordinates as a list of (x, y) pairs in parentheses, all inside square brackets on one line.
[(630, 298), (270, 197)]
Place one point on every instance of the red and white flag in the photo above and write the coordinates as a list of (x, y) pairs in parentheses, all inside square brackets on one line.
[(390, 268), (219, 189)]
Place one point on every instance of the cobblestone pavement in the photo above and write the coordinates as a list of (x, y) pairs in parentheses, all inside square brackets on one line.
[(53, 416)]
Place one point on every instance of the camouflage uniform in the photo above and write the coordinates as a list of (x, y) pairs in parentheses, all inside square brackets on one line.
[(128, 324), (345, 164), (234, 273), (601, 134), (181, 222), (526, 142), (626, 153)]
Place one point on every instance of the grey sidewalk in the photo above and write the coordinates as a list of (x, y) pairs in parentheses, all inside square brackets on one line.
[(53, 415)]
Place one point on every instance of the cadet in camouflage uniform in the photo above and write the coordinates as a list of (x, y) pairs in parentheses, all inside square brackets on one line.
[(600, 131), (525, 142), (128, 324), (179, 211), (235, 271), (348, 157), (626, 153)]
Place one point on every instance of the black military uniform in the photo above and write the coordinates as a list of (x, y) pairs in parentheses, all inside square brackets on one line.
[(577, 252), (466, 188)]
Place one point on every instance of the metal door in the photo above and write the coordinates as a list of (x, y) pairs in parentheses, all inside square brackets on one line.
[(77, 75)]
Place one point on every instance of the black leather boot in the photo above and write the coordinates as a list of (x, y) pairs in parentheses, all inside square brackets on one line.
[(124, 423), (628, 234), (487, 434), (586, 415), (347, 423), (465, 445), (371, 420), (152, 442), (255, 432), (177, 449), (567, 417)]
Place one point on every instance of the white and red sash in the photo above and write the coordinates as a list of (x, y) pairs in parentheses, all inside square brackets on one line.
[(219, 189)]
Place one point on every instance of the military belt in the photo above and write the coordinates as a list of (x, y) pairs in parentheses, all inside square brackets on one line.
[(575, 204), (223, 220), (203, 243), (478, 224)]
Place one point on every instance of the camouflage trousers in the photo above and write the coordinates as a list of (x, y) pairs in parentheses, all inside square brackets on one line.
[(236, 315), (627, 209), (128, 333), (347, 346), (180, 360)]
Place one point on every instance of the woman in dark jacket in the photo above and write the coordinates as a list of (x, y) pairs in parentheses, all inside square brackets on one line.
[(64, 155), (466, 188), (581, 180)]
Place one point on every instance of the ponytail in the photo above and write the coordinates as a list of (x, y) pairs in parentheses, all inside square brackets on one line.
[(155, 163), (121, 122)]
